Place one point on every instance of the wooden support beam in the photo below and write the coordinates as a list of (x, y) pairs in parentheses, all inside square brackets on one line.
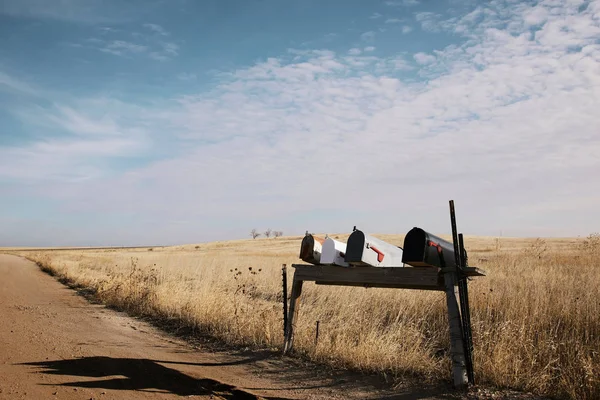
[(293, 313), (459, 366), (285, 299), (467, 271), (473, 271), (382, 277)]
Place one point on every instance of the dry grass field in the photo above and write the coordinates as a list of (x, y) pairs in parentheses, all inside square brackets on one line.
[(536, 316)]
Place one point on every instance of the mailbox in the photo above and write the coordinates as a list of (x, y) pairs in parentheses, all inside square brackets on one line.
[(333, 253), (420, 249), (311, 249), (365, 250)]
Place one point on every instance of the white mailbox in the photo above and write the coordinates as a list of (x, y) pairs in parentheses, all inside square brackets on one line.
[(311, 249), (334, 253), (365, 250)]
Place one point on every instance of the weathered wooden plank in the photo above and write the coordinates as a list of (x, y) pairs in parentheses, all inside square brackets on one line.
[(474, 271), (382, 285), (391, 277), (457, 355), (285, 298), (293, 313), (468, 271)]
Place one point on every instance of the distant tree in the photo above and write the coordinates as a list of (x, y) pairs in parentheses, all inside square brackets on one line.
[(277, 233), (268, 233), (254, 233)]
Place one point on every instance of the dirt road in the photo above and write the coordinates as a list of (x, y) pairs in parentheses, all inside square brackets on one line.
[(54, 344)]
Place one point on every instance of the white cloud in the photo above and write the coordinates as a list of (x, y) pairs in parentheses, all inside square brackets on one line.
[(369, 48), (157, 29), (86, 117), (80, 124), (171, 48), (106, 30), (423, 58), (536, 15), (168, 51), (368, 36), (184, 76), (330, 37), (393, 20), (406, 29), (400, 64), (123, 48), (402, 3), (63, 160), (13, 84), (376, 15), (429, 21), (79, 141), (158, 56), (155, 49), (354, 51)]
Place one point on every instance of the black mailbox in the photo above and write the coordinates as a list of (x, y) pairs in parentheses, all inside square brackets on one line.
[(421, 249)]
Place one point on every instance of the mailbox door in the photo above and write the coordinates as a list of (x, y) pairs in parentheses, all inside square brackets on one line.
[(311, 249), (333, 253), (366, 250), (420, 249)]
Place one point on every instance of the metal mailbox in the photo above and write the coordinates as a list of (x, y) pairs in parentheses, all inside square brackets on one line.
[(365, 250), (333, 253), (311, 249), (420, 249)]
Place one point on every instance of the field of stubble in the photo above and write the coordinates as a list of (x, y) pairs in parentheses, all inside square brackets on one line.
[(536, 316)]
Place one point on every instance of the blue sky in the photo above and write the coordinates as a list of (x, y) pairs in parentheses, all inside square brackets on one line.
[(164, 122)]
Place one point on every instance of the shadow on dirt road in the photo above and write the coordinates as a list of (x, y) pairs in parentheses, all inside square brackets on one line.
[(140, 375), (144, 375)]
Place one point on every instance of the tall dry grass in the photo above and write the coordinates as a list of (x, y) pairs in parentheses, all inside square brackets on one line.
[(536, 316)]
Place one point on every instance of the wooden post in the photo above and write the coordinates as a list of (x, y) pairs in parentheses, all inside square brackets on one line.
[(285, 300), (293, 313), (459, 367)]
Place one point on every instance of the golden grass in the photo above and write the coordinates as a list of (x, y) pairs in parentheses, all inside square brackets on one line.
[(536, 316)]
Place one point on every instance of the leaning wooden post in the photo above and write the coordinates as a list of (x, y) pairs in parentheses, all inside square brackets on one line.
[(285, 299), (292, 315), (459, 367)]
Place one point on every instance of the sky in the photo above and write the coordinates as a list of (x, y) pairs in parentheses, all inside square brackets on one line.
[(148, 122)]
